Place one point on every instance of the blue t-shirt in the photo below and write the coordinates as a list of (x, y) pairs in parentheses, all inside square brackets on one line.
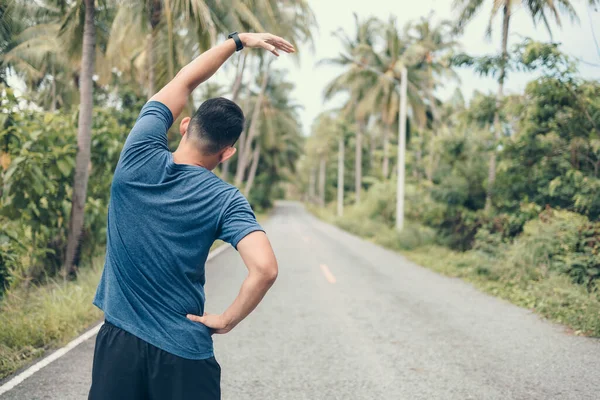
[(162, 220)]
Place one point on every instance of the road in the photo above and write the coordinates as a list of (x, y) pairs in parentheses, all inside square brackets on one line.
[(347, 319)]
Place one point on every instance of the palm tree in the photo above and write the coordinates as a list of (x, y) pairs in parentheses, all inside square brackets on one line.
[(539, 10), (340, 178), (293, 19), (329, 132), (84, 133), (432, 44), (46, 51), (144, 31), (247, 137), (274, 115), (386, 68), (355, 81), (279, 144), (74, 24)]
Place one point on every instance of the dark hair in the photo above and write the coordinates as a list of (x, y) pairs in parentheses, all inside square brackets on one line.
[(216, 124)]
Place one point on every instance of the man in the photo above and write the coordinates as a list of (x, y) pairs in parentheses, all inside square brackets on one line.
[(166, 210)]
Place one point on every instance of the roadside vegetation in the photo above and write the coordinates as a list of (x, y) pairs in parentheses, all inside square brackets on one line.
[(36, 320), (502, 191), (73, 76)]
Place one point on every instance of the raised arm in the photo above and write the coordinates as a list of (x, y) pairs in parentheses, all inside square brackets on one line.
[(175, 94)]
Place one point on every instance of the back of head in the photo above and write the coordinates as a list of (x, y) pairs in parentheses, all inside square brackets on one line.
[(217, 124)]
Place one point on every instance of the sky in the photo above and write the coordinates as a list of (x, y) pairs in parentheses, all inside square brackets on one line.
[(576, 38)]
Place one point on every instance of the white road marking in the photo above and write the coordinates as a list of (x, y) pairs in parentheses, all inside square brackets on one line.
[(328, 275), (11, 384), (52, 357)]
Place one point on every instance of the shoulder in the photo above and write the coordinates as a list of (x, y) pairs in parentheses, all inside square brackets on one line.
[(156, 108)]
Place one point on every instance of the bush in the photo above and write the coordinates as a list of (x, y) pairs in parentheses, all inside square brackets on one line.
[(378, 205), (12, 252), (412, 236), (38, 159)]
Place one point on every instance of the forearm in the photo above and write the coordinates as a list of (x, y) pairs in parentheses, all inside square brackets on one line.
[(253, 289), (205, 65), (175, 94)]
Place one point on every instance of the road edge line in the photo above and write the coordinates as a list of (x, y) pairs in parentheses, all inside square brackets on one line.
[(11, 384), (17, 380)]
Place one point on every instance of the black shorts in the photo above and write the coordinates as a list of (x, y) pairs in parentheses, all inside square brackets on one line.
[(126, 367)]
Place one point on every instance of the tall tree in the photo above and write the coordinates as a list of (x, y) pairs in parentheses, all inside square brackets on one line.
[(273, 126), (432, 44), (84, 132), (145, 31), (539, 10), (355, 81), (386, 67), (340, 177), (245, 146)]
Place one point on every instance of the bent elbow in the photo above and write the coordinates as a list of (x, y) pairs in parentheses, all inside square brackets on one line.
[(268, 272), (271, 274)]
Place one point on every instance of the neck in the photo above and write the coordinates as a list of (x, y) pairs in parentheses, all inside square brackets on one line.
[(184, 156)]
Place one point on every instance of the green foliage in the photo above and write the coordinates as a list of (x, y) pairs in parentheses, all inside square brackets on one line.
[(36, 184), (554, 297), (38, 151), (12, 251), (554, 158)]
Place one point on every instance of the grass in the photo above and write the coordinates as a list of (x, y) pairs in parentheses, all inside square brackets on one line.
[(37, 319), (554, 297), (513, 275)]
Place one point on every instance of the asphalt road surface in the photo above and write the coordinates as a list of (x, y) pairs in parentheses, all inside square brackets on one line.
[(347, 319)]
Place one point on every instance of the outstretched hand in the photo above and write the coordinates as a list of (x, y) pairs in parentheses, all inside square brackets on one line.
[(266, 41), (216, 322)]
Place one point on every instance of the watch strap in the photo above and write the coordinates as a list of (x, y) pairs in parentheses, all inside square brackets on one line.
[(236, 38)]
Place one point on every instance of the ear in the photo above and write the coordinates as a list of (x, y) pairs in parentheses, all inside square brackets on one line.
[(183, 126), (228, 153)]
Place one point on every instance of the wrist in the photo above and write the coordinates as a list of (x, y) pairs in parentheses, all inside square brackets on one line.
[(228, 321), (243, 37)]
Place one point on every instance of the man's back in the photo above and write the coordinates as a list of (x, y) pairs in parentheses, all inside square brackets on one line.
[(166, 210), (163, 219)]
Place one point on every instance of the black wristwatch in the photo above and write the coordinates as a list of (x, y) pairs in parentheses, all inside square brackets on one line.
[(236, 38)]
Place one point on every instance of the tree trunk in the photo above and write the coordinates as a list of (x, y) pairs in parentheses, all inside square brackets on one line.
[(431, 164), (244, 153), (358, 162), (150, 64), (340, 181), (432, 149), (237, 84), (235, 91), (252, 172), (170, 40), (418, 160), (53, 91), (84, 132), (372, 146), (311, 184), (386, 149), (322, 176), (154, 17), (497, 126)]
